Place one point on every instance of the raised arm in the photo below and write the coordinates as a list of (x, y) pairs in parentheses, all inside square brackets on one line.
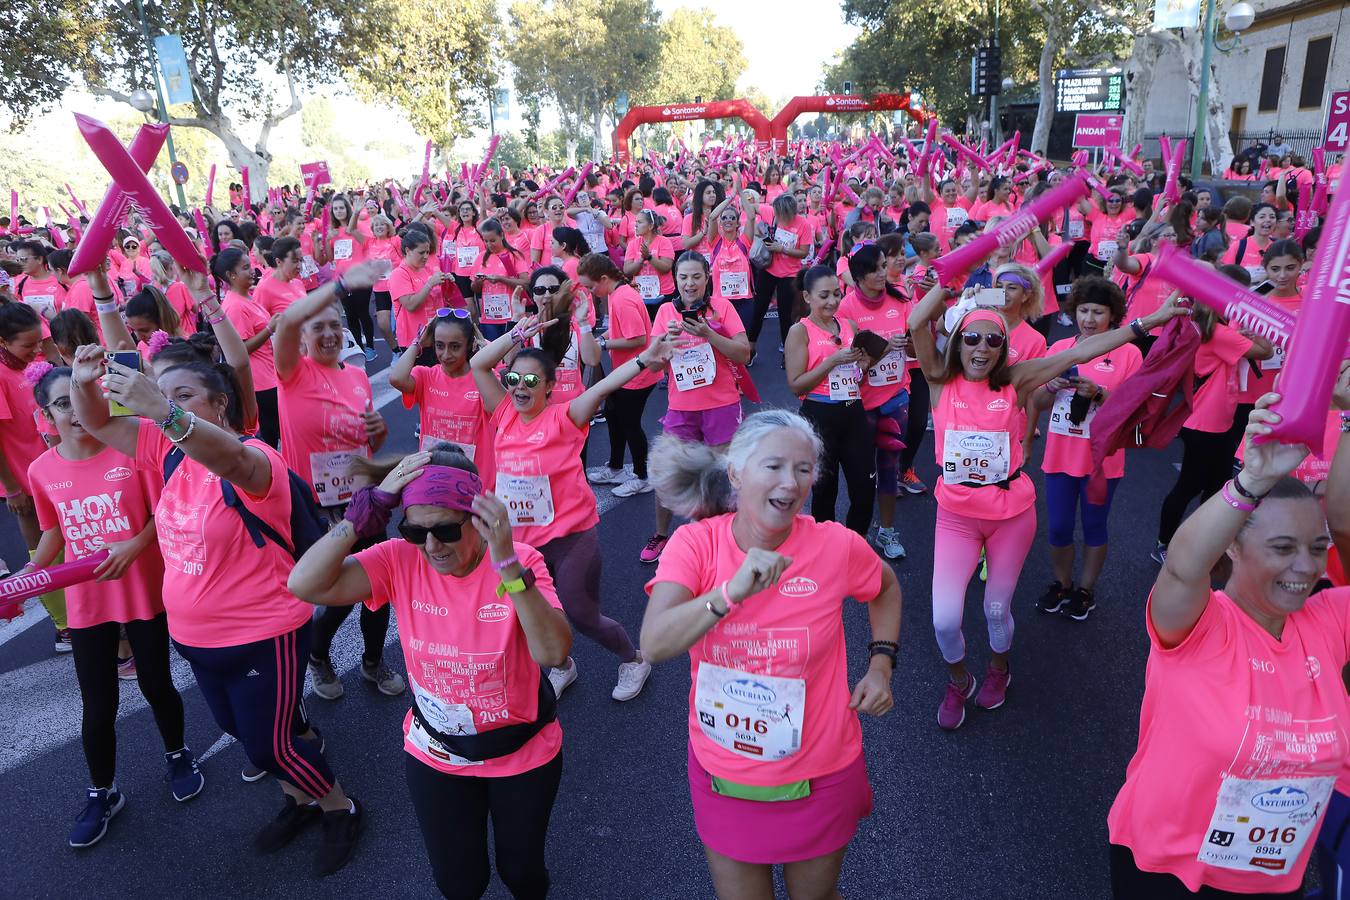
[(656, 356), (482, 364), (286, 347), (928, 311), (111, 324)]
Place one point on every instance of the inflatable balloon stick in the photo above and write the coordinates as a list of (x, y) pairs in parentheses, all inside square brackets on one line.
[(929, 136), (26, 585), (79, 204), (248, 190), (14, 211), (1047, 265), (965, 152), (201, 228), (1318, 344), (954, 265), (1172, 189), (210, 185), (1319, 200), (145, 146), (581, 180), (1242, 308), (128, 175), (491, 149)]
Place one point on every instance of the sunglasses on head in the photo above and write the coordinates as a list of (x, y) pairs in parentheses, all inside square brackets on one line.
[(530, 380), (992, 339), (446, 312), (540, 290), (449, 533)]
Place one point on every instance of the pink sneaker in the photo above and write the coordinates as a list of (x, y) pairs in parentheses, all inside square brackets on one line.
[(652, 552), (995, 689), (952, 710)]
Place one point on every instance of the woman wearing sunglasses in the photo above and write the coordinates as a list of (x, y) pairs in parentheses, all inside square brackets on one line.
[(478, 616), (985, 501), (1105, 216), (541, 242), (537, 446), (728, 252)]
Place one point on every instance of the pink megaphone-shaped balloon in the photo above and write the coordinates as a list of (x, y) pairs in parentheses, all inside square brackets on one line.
[(491, 149), (18, 588), (964, 152), (1320, 200), (144, 147), (140, 192), (1241, 307), (1046, 264), (581, 179), (929, 136), (1007, 233), (1172, 188), (1318, 345), (210, 185)]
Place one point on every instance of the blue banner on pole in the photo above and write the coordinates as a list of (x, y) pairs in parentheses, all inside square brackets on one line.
[(1176, 13), (173, 66), (501, 105)]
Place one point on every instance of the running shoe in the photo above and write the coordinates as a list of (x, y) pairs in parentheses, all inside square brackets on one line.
[(390, 683), (606, 475), (340, 832), (1159, 554), (370, 354), (184, 777), (102, 804), (632, 487), (952, 709), (252, 773), (326, 682), (1054, 598), (984, 567), (753, 354), (561, 678), (598, 419), (632, 676), (652, 552), (1081, 602), (911, 483), (889, 544), (62, 640), (126, 669), (995, 688), (288, 823)]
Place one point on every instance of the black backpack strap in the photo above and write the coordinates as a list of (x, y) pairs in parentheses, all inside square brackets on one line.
[(257, 529), (1241, 251)]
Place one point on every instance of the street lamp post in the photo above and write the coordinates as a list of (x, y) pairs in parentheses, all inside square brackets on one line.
[(162, 110)]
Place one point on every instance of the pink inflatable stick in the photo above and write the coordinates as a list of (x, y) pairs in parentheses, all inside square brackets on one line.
[(1241, 307), (248, 191), (210, 185), (18, 588), (581, 180), (145, 146), (79, 204), (965, 152), (1172, 189), (929, 137), (1053, 258), (1321, 186)]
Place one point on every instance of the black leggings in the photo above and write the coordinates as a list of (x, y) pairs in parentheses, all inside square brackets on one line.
[(1129, 882), (269, 423), (453, 810), (623, 415), (768, 287), (1206, 463), (919, 404), (374, 627), (850, 445), (95, 652), (357, 307)]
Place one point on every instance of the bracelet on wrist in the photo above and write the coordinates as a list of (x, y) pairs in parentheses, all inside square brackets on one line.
[(1237, 486), (105, 305), (1345, 423), (192, 424), (1137, 326), (1237, 503), (175, 413), (498, 566)]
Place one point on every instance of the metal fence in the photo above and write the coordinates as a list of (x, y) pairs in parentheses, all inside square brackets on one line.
[(1302, 140)]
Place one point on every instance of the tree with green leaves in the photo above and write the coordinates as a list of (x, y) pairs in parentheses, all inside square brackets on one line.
[(581, 54), (699, 58)]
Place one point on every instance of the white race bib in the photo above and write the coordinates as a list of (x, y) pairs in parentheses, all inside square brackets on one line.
[(693, 368), (1258, 274), (843, 382), (465, 256), (981, 457), (755, 716), (557, 261), (1059, 417), (308, 267), (956, 216), (1275, 362), (45, 304), (785, 237), (1262, 825), (890, 369), (447, 718), (342, 248), (528, 498), (331, 478), (496, 306), (1106, 250), (649, 286), (1075, 229), (733, 285)]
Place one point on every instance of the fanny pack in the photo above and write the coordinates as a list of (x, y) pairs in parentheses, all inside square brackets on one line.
[(1005, 484), (499, 741), (771, 793)]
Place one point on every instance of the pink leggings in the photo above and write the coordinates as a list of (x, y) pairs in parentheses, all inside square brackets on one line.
[(956, 553)]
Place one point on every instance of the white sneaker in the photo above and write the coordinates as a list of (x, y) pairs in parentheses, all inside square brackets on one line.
[(889, 544), (632, 676), (606, 475), (632, 487), (561, 678)]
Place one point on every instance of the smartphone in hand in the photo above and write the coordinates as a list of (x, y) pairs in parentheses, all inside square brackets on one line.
[(132, 360)]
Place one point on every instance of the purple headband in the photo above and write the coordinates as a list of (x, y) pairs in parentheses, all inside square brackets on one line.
[(1014, 278), (443, 486)]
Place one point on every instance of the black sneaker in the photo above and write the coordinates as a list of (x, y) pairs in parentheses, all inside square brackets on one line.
[(92, 825), (1081, 602), (340, 832), (184, 777), (1054, 598), (292, 820)]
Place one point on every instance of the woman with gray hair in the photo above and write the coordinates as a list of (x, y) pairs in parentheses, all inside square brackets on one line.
[(754, 592)]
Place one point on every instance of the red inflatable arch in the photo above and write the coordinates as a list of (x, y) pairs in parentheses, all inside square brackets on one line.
[(687, 112), (832, 103)]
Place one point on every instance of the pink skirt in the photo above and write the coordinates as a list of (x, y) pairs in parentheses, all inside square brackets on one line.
[(769, 833)]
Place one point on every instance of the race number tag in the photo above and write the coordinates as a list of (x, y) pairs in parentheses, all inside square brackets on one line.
[(528, 498), (1257, 273), (649, 286), (733, 285), (1075, 229), (45, 304), (981, 457), (557, 261), (785, 237), (755, 716), (843, 382), (497, 306), (308, 267), (447, 718), (1275, 362), (694, 367), (1059, 417), (332, 480), (465, 256), (342, 249), (1262, 825), (956, 216), (890, 369), (1106, 250)]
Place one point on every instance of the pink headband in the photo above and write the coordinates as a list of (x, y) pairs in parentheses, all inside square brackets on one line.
[(443, 486), (984, 315)]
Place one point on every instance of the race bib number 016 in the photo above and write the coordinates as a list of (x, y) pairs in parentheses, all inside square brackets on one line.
[(755, 716)]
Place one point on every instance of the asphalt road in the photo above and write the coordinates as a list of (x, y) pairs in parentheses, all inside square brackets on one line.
[(1012, 805)]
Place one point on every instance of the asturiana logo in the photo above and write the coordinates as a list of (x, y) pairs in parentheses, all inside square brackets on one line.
[(977, 443), (493, 612), (747, 690), (117, 473), (1283, 799), (801, 586)]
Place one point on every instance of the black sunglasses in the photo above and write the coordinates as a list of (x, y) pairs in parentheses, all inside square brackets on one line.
[(540, 290), (992, 339), (530, 380), (449, 533)]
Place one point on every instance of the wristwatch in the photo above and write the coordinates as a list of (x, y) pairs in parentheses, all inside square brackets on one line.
[(519, 585)]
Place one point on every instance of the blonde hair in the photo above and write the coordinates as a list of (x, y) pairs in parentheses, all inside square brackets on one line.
[(1035, 299)]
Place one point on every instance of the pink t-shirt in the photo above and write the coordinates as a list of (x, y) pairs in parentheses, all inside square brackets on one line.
[(496, 296), (841, 383), (628, 318), (20, 440), (466, 654), (797, 235), (1025, 343), (1233, 702), (694, 357), (661, 248), (46, 295), (791, 633), (1144, 293), (220, 589), (463, 246), (946, 219), (732, 277), (248, 318), (95, 502), (347, 251), (978, 442), (180, 298), (539, 473), (404, 282), (1105, 229), (704, 246), (541, 241), (1068, 447), (888, 317), (451, 409), (1217, 361), (386, 249), (274, 295), (321, 428)]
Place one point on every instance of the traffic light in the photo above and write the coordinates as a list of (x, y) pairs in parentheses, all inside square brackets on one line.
[(986, 71), (848, 87)]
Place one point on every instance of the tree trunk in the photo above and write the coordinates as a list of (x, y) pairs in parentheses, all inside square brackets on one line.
[(1045, 111), (597, 139), (1139, 69), (1218, 149)]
